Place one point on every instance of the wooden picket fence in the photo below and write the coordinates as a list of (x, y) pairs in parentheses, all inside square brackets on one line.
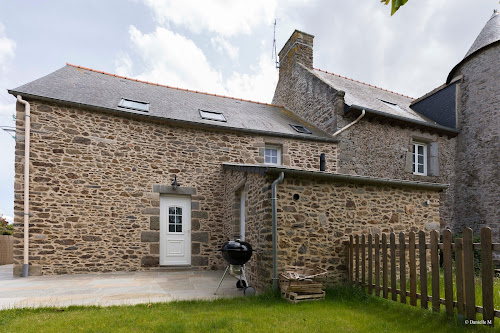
[(366, 254)]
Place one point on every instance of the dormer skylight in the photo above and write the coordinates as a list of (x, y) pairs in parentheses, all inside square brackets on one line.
[(212, 115), (134, 105), (393, 106), (301, 129)]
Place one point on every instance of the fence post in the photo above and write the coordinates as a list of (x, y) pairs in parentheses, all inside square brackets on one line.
[(357, 260), (487, 276), (363, 262), (413, 271), (370, 264), (459, 272), (470, 295), (448, 276), (402, 267), (377, 264), (394, 288), (384, 265), (351, 258), (435, 271), (423, 269)]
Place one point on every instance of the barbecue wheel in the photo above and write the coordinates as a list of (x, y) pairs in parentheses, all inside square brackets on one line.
[(249, 291), (240, 284)]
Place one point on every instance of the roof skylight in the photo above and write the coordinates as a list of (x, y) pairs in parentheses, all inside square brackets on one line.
[(301, 129), (134, 105), (393, 106), (211, 115)]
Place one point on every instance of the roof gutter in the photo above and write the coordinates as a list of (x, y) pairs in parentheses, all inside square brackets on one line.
[(26, 199), (176, 121), (439, 128)]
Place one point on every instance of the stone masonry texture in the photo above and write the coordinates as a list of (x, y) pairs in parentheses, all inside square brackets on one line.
[(477, 183), (313, 226), (91, 186)]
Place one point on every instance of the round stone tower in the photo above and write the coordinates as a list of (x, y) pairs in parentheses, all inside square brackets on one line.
[(476, 185)]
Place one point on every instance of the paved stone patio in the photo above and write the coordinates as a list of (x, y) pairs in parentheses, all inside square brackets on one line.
[(111, 288)]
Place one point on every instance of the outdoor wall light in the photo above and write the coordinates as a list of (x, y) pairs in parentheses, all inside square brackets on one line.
[(175, 184)]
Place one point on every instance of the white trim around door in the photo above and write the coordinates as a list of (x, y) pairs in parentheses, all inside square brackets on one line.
[(175, 230)]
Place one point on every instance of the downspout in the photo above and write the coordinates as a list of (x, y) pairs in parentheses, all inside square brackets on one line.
[(274, 199), (27, 118), (349, 125)]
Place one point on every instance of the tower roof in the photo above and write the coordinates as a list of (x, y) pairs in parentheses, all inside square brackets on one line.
[(489, 34)]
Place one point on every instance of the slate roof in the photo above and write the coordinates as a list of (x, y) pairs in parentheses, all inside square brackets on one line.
[(489, 34), (369, 96), (88, 87)]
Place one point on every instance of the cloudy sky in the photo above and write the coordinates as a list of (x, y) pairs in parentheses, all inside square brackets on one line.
[(225, 47)]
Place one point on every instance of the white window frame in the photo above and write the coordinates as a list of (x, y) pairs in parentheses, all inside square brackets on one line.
[(278, 154), (415, 163)]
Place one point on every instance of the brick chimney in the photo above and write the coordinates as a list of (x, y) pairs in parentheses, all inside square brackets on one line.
[(298, 48)]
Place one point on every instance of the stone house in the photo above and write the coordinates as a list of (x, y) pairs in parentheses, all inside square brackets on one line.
[(132, 175)]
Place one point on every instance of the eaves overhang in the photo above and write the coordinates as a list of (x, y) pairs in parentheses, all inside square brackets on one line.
[(336, 177), (141, 115), (355, 110)]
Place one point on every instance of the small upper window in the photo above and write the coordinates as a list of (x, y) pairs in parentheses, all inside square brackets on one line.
[(301, 129), (134, 105), (211, 115), (272, 155), (420, 159)]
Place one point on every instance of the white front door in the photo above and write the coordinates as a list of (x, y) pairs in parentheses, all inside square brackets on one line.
[(175, 230)]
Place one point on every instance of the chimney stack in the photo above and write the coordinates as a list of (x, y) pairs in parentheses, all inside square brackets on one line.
[(298, 49)]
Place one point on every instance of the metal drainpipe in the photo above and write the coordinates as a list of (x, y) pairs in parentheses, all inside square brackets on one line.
[(275, 230), (363, 112), (27, 117)]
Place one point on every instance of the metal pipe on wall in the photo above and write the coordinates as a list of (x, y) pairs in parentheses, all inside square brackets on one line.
[(274, 200)]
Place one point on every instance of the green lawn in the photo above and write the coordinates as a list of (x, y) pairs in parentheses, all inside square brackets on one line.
[(345, 310)]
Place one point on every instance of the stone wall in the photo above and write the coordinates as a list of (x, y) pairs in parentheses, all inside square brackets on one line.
[(91, 186), (477, 182), (312, 228)]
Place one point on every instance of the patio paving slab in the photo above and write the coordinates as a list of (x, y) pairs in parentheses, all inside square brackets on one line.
[(106, 289)]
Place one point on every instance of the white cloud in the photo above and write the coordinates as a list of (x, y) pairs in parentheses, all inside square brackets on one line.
[(224, 17), (6, 111), (172, 59), (224, 47), (7, 47), (9, 219)]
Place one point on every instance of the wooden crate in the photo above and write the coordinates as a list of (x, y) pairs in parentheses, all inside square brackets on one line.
[(301, 286), (302, 297)]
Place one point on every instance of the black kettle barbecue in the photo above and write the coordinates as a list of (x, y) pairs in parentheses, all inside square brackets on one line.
[(237, 252)]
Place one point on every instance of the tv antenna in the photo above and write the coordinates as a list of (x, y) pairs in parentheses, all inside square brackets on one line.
[(274, 53)]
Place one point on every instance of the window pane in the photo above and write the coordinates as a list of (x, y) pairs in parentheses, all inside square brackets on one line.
[(178, 211), (420, 159), (171, 210), (171, 219), (274, 160), (420, 168), (274, 153), (178, 228), (420, 150), (171, 228), (178, 219), (212, 115)]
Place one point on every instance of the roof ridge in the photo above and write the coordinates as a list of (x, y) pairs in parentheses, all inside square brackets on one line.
[(367, 84), (167, 86)]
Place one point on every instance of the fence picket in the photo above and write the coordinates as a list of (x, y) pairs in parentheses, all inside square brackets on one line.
[(363, 261), (394, 294), (487, 275), (413, 271), (402, 267), (370, 264), (448, 276), (384, 266), (423, 269), (351, 256), (377, 264), (470, 296), (435, 270), (459, 273), (357, 260)]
